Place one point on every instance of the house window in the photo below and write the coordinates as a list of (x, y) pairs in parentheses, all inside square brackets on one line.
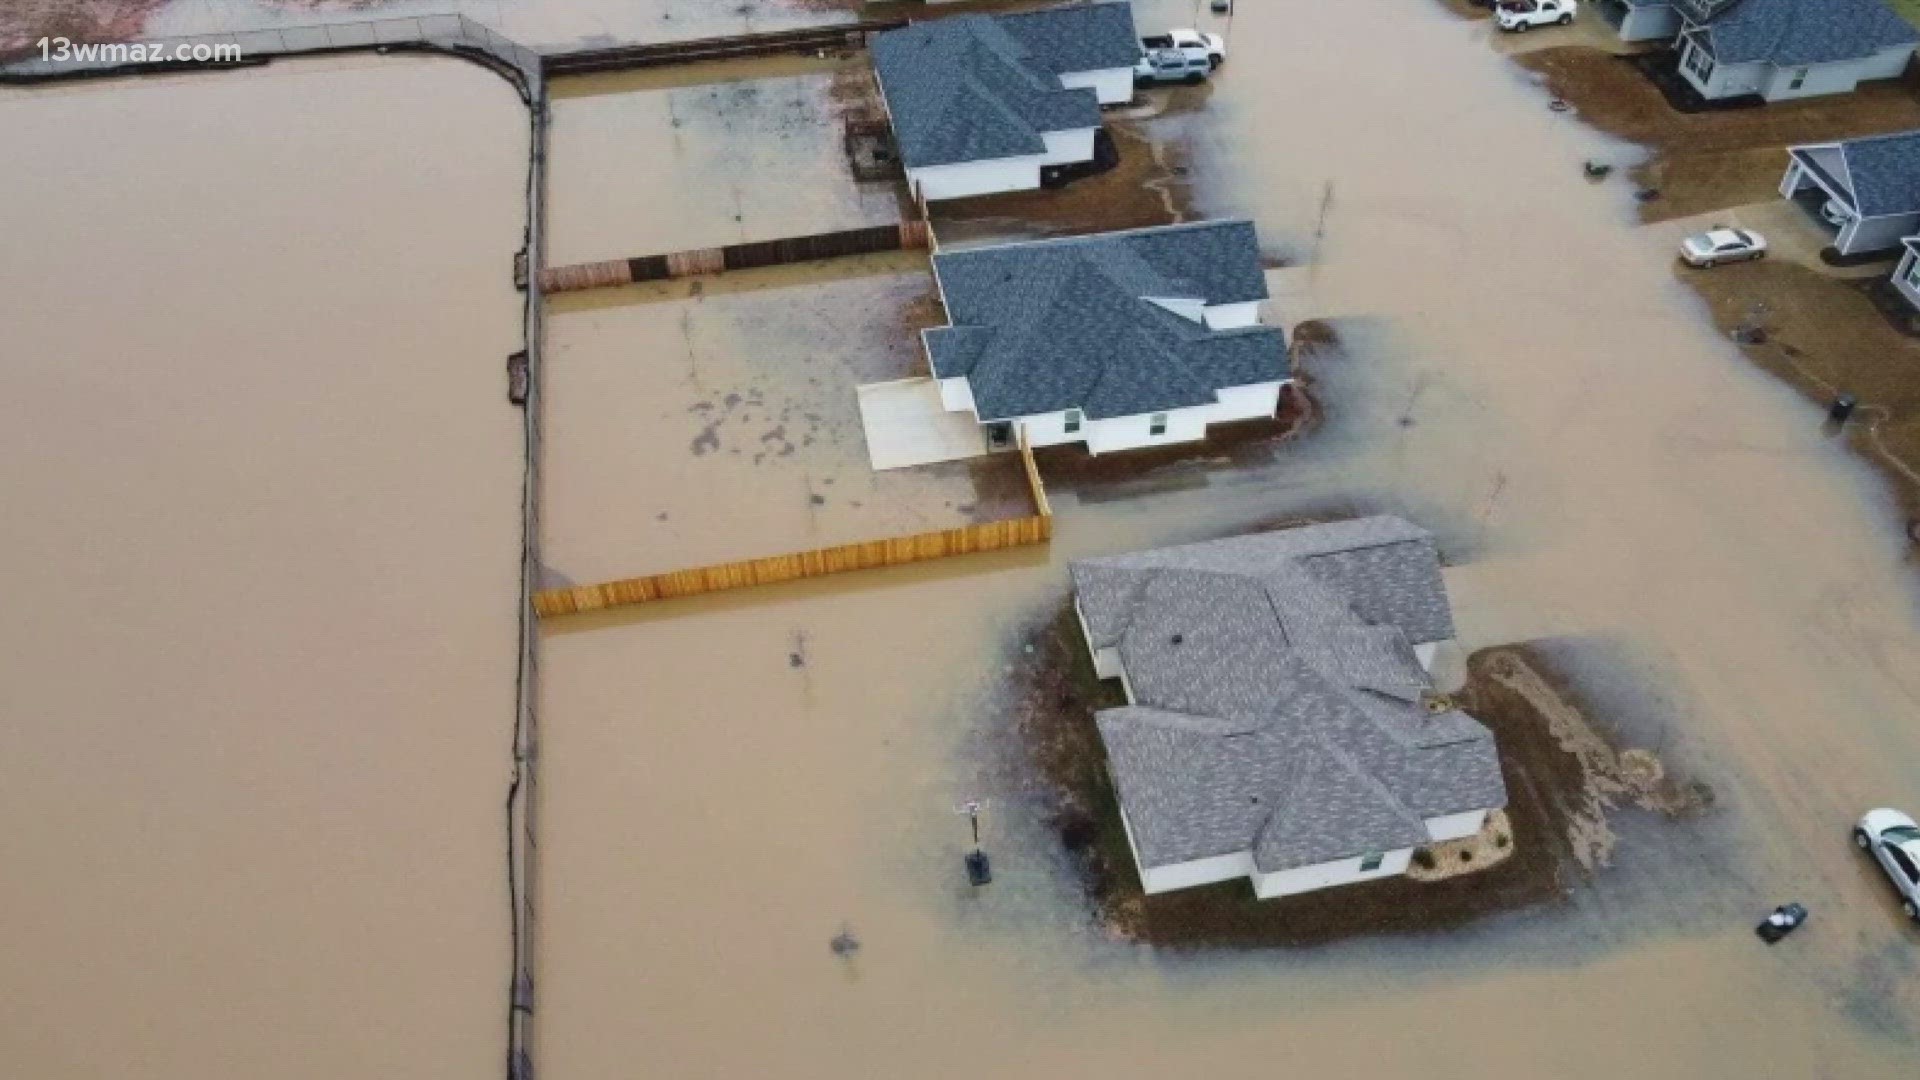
[(1799, 79), (1912, 275), (1699, 62), (1157, 424), (1072, 423), (1371, 861)]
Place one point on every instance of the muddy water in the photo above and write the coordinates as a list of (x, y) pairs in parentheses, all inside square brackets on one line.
[(261, 524), (652, 162), (733, 782)]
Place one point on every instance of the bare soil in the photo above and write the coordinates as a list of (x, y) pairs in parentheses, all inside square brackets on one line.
[(1827, 336), (1562, 778), (1710, 160)]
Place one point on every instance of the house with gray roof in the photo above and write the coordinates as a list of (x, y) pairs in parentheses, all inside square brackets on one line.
[(1784, 49), (1118, 340), (1281, 725), (982, 103), (1865, 191)]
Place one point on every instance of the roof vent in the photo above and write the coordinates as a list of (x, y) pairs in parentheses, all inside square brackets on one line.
[(1178, 638), (1436, 703)]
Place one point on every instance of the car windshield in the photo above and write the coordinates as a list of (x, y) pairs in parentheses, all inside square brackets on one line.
[(1901, 834)]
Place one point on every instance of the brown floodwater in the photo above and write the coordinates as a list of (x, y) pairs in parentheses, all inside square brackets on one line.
[(261, 536), (732, 782)]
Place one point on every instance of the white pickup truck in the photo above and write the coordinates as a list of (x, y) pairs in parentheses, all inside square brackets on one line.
[(1189, 43), (1523, 15)]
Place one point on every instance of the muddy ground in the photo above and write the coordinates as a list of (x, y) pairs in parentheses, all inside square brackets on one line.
[(1829, 336), (1563, 778), (1710, 160), (24, 22)]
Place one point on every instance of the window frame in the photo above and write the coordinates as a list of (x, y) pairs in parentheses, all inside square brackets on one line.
[(1698, 61), (1156, 425), (1372, 861), (1912, 276), (1799, 78), (1072, 421)]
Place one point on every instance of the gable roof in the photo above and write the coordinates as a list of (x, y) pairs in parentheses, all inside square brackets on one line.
[(1279, 707), (1883, 172), (1790, 33), (1077, 323), (974, 87)]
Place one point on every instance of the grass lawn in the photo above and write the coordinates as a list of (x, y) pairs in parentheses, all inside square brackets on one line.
[(1908, 9)]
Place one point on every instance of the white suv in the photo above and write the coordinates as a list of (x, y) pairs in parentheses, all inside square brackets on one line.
[(1893, 840)]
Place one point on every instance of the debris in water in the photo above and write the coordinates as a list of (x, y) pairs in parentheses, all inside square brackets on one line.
[(1784, 920), (817, 500), (1647, 194), (1596, 170), (1559, 105), (844, 944)]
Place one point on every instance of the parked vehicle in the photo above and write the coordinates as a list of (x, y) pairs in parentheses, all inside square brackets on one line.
[(1716, 246), (1209, 47), (1893, 840), (1523, 15), (1171, 65), (1834, 214)]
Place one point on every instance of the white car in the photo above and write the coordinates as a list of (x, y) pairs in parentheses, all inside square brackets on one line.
[(1193, 43), (1170, 65), (1721, 245), (1834, 214), (1893, 840), (1521, 15)]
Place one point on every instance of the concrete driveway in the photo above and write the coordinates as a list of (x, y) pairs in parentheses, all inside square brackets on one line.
[(907, 425)]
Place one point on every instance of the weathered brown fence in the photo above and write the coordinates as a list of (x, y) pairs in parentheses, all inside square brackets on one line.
[(1036, 528), (906, 235)]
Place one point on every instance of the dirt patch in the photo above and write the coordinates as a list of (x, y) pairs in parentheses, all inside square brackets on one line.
[(1563, 779), (1469, 9), (1706, 161), (1827, 336)]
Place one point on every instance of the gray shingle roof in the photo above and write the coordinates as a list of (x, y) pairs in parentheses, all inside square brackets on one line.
[(1789, 33), (1278, 704), (1061, 324), (973, 87), (1885, 172)]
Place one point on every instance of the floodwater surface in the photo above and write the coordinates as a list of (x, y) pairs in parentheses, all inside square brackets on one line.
[(261, 534), (733, 782)]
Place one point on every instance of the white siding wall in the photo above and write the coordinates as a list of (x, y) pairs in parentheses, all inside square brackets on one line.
[(1838, 78), (1183, 425), (1067, 147), (1113, 86), (1186, 875), (1863, 235), (1424, 652), (956, 395), (1650, 23), (1233, 316), (939, 182), (1455, 826), (1794, 179), (1900, 282), (1326, 875), (1190, 310)]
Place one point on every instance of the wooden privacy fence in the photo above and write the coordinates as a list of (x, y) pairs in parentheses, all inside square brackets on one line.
[(906, 235), (819, 562), (1036, 528)]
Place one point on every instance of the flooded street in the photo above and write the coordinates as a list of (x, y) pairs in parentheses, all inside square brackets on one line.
[(732, 782), (262, 514)]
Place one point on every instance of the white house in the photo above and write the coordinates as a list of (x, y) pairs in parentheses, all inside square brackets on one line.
[(1280, 724), (982, 103), (1784, 49), (1119, 340), (1872, 184), (1906, 276)]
